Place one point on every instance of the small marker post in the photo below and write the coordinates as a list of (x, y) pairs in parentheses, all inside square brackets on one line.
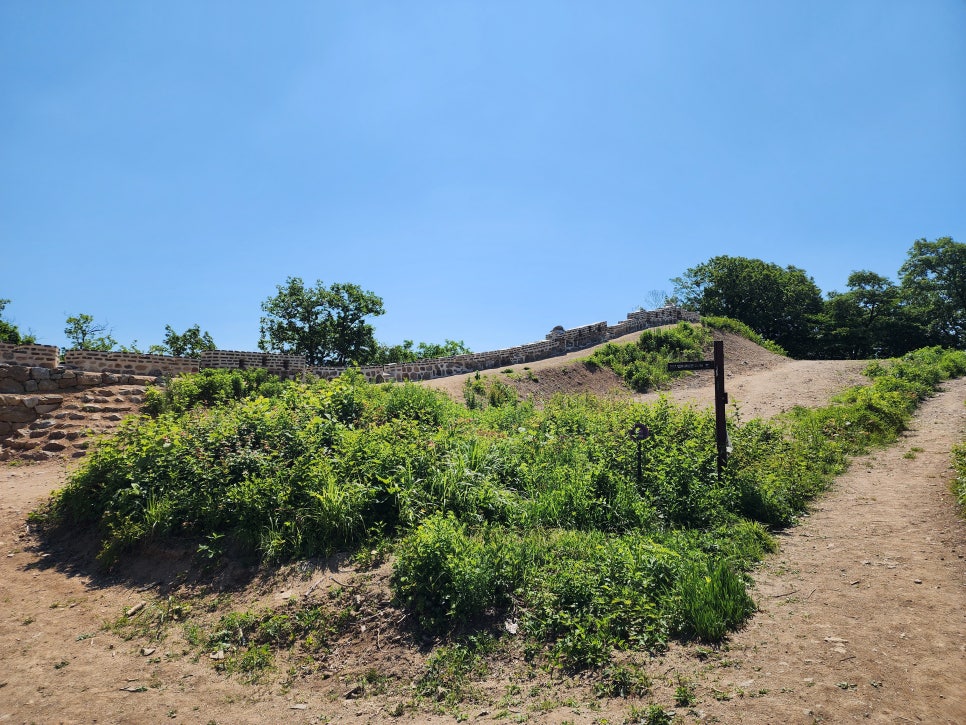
[(720, 397), (639, 432)]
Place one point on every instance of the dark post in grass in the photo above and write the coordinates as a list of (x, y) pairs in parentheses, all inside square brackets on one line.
[(639, 433), (720, 397), (720, 401)]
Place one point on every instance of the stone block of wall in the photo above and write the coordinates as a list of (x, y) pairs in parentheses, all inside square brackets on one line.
[(45, 356), (18, 379), (16, 410), (644, 319), (130, 363), (276, 363)]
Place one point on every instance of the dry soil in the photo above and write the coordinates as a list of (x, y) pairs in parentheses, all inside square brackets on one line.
[(861, 618)]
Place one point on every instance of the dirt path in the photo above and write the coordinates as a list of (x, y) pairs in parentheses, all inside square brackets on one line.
[(863, 612), (766, 393)]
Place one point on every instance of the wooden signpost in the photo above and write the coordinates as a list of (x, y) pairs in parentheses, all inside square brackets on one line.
[(720, 397)]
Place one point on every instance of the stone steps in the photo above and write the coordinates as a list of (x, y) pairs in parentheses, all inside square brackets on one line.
[(66, 429)]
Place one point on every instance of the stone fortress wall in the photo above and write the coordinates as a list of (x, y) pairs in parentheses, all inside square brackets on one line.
[(28, 392), (32, 376), (558, 342)]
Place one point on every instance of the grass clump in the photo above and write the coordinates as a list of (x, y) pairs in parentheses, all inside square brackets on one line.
[(728, 324), (643, 364), (959, 483), (452, 668)]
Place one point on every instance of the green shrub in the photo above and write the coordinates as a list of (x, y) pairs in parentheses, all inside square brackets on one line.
[(623, 681), (728, 324), (211, 387), (443, 574), (643, 365)]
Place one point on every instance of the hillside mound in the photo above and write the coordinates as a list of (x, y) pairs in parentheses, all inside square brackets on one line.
[(760, 382)]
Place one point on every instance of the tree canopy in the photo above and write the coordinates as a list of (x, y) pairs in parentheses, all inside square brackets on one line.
[(775, 302), (85, 334), (190, 343), (874, 318), (423, 351), (325, 324), (868, 321), (9, 332), (934, 286)]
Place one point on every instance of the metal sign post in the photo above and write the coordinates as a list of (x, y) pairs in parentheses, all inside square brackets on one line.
[(639, 432), (720, 397)]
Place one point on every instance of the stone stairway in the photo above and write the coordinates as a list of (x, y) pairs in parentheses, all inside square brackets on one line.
[(67, 430)]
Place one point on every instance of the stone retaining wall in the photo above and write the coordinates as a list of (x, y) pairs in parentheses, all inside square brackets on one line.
[(44, 356), (17, 410), (29, 392), (644, 319)]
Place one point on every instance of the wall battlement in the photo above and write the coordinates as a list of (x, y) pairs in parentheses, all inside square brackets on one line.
[(557, 342)]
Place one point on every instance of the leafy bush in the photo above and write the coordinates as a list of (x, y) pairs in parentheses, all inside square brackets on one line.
[(443, 574), (727, 324), (643, 364), (210, 387)]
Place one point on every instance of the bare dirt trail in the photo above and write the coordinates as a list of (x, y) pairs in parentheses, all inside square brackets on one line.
[(862, 612), (777, 389)]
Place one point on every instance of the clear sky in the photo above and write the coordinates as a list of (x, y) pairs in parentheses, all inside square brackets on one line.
[(491, 169)]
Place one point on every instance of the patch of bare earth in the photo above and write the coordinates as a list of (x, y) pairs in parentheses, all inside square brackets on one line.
[(862, 612)]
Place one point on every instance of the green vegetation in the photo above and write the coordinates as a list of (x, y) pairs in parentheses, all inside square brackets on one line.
[(776, 302), (497, 513), (190, 343), (728, 324), (643, 364), (85, 334), (325, 324), (423, 351), (959, 484), (452, 668), (874, 318), (10, 333)]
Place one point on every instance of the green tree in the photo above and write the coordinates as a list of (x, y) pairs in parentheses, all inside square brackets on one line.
[(10, 333), (933, 285), (424, 351), (325, 324), (190, 343), (777, 303), (867, 321), (85, 334)]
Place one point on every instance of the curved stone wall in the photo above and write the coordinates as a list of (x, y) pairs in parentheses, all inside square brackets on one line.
[(558, 342)]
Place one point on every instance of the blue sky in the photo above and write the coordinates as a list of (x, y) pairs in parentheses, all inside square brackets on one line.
[(490, 169)]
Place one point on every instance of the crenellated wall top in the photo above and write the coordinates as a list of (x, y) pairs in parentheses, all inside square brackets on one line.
[(558, 342)]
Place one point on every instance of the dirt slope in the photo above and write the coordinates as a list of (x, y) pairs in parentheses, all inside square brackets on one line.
[(759, 383), (862, 611)]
